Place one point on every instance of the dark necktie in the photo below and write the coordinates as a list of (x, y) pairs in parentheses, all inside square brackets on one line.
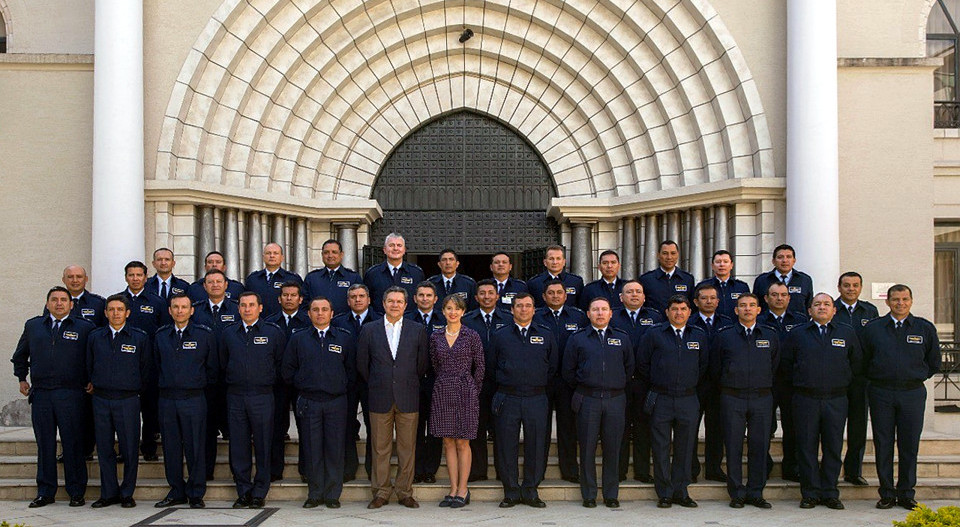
[(556, 316), (56, 326), (246, 329), (680, 335), (523, 332), (395, 271), (179, 337), (163, 289), (359, 321), (269, 277), (613, 285), (749, 332), (709, 321), (783, 278), (426, 319), (899, 324), (850, 309), (448, 285), (113, 336), (600, 335), (780, 320), (487, 320), (216, 312), (76, 301), (323, 334), (330, 274), (499, 289)]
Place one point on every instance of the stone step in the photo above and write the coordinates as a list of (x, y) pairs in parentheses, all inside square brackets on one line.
[(149, 490), (26, 467)]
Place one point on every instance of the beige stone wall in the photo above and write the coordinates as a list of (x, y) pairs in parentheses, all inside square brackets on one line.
[(882, 28), (45, 174), (886, 183), (48, 26)]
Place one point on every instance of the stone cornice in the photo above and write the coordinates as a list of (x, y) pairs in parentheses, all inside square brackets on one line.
[(46, 62), (727, 191), (198, 193), (889, 62)]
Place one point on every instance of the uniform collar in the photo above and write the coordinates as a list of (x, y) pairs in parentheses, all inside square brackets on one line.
[(847, 307), (251, 326), (363, 315), (777, 274), (558, 311)]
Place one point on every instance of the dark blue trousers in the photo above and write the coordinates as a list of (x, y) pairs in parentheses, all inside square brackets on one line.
[(429, 448), (559, 394), (183, 423), (151, 420), (897, 415), (602, 419), (819, 424), (216, 397), (856, 428), (782, 397), (679, 416), (356, 403), (59, 410), (637, 433), (712, 434), (322, 438), (120, 418), (284, 397), (510, 412), (250, 416), (750, 415)]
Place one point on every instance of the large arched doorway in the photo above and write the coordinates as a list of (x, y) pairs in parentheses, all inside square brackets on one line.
[(464, 181)]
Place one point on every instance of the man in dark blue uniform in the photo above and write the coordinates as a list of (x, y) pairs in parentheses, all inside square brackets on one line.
[(563, 321), (186, 362), (267, 281), (163, 283), (900, 351), (525, 354), (250, 354), (147, 312), (290, 318), (609, 285), (429, 448), (674, 357), (333, 280), (393, 272), (636, 319), (821, 357), (449, 281), (485, 320), (728, 287), (507, 286), (743, 363), (597, 362), (216, 311), (706, 298), (214, 261), (86, 305), (667, 280), (554, 261), (359, 315), (118, 361), (53, 351), (777, 316), (320, 362), (856, 313), (799, 284)]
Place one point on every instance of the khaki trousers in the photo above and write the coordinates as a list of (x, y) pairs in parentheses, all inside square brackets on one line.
[(382, 426)]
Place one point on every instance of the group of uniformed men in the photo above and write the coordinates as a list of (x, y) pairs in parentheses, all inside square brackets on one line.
[(635, 364)]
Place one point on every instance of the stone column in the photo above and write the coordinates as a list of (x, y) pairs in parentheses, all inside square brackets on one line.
[(117, 233), (721, 231), (697, 258), (231, 243), (812, 131), (581, 251), (673, 227), (206, 240), (652, 234), (254, 243), (628, 265), (299, 247), (278, 235), (347, 236)]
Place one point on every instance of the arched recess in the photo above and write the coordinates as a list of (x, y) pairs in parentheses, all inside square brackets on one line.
[(307, 98), (4, 26), (468, 182)]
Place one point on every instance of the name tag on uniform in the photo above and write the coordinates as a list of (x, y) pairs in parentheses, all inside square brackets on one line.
[(536, 340), (462, 294), (277, 285), (260, 340), (146, 309), (87, 312), (499, 326), (226, 318), (572, 327), (571, 290), (763, 343), (71, 335), (406, 280), (911, 339), (189, 345), (794, 289), (507, 298), (863, 322), (693, 345), (734, 296), (176, 290), (343, 283), (646, 321), (680, 288), (790, 326), (613, 342), (128, 348), (838, 342), (334, 348)]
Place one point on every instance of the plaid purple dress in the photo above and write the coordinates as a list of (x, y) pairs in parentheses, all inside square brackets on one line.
[(455, 405)]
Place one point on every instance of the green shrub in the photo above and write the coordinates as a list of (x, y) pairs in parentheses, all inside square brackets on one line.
[(924, 516), (5, 523)]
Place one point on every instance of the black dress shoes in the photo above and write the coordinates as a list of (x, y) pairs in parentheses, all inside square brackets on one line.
[(506, 503), (759, 503), (590, 504), (907, 503), (685, 502), (41, 501), (77, 501), (128, 503), (612, 503), (169, 502), (197, 503), (719, 476), (833, 503), (151, 457), (536, 503), (737, 503), (429, 478), (572, 479), (417, 478), (242, 502), (256, 503), (332, 504), (311, 503), (886, 503), (664, 503), (105, 502), (644, 478), (856, 480), (808, 503)]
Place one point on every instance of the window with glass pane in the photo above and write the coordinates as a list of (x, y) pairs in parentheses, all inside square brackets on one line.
[(942, 38), (946, 285)]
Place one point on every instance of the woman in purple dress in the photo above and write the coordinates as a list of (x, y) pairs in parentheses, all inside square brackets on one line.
[(457, 357)]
